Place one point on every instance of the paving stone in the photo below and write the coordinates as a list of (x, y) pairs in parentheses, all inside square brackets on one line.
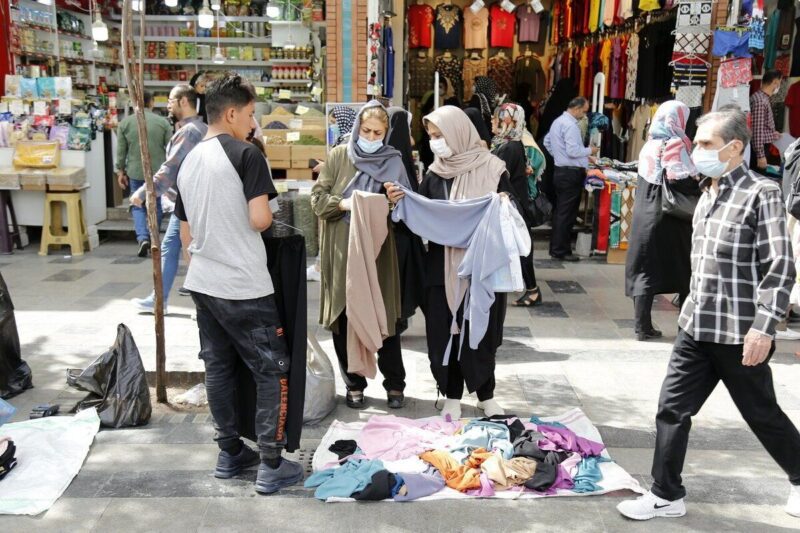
[(148, 514), (566, 287), (511, 331), (68, 260), (548, 309), (113, 290), (132, 260), (547, 264), (69, 275)]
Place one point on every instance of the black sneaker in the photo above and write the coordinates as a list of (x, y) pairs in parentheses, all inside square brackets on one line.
[(648, 335), (144, 249), (271, 480), (395, 401), (229, 465), (183, 291)]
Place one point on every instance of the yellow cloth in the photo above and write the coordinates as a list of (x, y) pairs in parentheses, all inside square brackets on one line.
[(594, 15), (605, 60)]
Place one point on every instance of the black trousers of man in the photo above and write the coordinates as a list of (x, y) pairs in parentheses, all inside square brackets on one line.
[(390, 361), (695, 368), (568, 184), (250, 330)]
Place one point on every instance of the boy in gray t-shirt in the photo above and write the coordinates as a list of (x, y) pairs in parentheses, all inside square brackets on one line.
[(223, 208)]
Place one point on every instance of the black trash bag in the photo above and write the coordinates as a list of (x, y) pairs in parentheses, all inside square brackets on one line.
[(15, 374), (117, 383)]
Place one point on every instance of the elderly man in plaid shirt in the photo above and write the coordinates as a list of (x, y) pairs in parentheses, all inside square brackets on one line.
[(742, 275), (764, 132)]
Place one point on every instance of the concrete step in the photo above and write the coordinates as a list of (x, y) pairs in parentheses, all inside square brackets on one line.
[(118, 213), (125, 225)]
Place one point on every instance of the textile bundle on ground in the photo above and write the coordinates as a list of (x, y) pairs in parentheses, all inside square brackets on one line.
[(401, 459)]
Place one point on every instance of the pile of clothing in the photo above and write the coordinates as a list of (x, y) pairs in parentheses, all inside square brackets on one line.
[(404, 459)]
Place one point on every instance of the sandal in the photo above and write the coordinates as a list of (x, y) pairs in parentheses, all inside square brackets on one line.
[(355, 399), (528, 301)]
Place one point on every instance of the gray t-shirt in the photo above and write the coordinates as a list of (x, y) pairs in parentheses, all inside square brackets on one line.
[(215, 182)]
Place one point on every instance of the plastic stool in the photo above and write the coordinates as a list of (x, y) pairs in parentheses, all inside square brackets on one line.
[(76, 236), (8, 237)]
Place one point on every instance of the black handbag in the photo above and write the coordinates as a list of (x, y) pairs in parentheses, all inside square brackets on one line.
[(539, 209), (679, 198)]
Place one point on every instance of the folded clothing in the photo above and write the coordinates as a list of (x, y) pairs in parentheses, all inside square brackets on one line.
[(8, 458), (343, 448)]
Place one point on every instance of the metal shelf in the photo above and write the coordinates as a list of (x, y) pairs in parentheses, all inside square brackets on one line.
[(173, 83), (210, 40), (192, 18)]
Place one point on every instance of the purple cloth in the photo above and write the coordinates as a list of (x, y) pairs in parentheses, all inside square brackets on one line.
[(393, 438), (419, 485), (563, 439), (487, 488)]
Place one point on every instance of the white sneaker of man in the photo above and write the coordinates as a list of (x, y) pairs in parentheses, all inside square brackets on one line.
[(491, 408), (651, 506), (793, 505)]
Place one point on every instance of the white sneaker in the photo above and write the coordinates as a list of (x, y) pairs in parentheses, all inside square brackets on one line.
[(787, 335), (793, 504), (651, 506), (491, 407), (452, 408), (146, 305), (312, 274)]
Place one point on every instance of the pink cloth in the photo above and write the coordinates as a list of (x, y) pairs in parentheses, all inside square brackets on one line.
[(486, 490), (562, 439), (392, 438)]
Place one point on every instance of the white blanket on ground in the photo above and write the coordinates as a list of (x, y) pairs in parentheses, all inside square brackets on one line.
[(614, 476), (50, 453)]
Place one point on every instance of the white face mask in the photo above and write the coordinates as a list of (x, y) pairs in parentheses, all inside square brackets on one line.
[(440, 148), (370, 147), (707, 162)]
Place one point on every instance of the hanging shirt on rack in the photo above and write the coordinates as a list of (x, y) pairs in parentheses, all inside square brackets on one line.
[(476, 26), (793, 103), (448, 27), (796, 52), (450, 68), (594, 15), (472, 69), (421, 76), (502, 35), (625, 9), (420, 19), (528, 70), (633, 67), (528, 24), (605, 60), (501, 70), (615, 83), (649, 5), (785, 24)]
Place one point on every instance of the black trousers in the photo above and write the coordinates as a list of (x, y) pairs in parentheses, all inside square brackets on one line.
[(568, 184), (528, 272), (695, 368), (390, 361), (249, 330), (642, 309)]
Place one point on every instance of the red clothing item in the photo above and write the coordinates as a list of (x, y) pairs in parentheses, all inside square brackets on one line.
[(503, 25), (793, 103), (420, 21)]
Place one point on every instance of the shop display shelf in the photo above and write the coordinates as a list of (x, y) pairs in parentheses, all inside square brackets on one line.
[(107, 64), (77, 60), (228, 62), (34, 55), (173, 83), (209, 40), (39, 27), (75, 35), (290, 61), (276, 83), (79, 85), (193, 18)]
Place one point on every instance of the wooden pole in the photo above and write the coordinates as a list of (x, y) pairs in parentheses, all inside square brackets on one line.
[(134, 76)]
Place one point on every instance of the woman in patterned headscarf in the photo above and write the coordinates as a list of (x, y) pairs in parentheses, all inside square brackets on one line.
[(341, 122), (509, 129), (659, 248), (484, 98)]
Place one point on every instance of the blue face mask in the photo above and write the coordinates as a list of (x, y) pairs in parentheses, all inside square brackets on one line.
[(707, 162), (370, 147)]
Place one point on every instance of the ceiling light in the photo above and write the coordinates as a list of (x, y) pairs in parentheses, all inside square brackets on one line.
[(508, 6), (476, 6), (205, 17), (171, 3), (215, 5), (219, 59), (99, 28)]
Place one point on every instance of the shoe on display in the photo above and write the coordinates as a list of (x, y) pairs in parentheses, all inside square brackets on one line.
[(229, 465), (272, 480), (491, 407), (144, 249), (651, 506), (452, 408)]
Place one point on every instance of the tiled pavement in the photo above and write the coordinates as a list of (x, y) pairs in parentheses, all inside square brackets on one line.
[(576, 350)]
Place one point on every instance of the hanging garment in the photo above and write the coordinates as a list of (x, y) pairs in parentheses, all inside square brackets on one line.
[(450, 68), (420, 20), (785, 24), (472, 69), (388, 62), (694, 16), (528, 70), (420, 76), (529, 24), (448, 26), (501, 70), (697, 44), (502, 27), (732, 43), (691, 95), (286, 260), (632, 68), (735, 72), (476, 27)]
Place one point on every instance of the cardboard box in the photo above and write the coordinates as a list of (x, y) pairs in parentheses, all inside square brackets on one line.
[(301, 155), (616, 256), (299, 174), (280, 164), (310, 122), (279, 152), (33, 179), (66, 178), (9, 178)]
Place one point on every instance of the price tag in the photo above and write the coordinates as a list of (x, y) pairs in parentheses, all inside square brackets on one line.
[(293, 136), (295, 124), (65, 106), (39, 107), (316, 91), (284, 94), (3, 107), (16, 107), (260, 91), (281, 187), (301, 110)]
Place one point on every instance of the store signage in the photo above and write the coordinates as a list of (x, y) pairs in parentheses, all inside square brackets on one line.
[(295, 124), (301, 110), (284, 94), (316, 91), (293, 136)]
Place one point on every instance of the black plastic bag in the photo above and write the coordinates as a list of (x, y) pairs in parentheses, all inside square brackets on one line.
[(117, 383), (15, 374)]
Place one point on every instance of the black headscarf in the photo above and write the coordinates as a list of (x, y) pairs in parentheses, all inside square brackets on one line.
[(560, 96), (399, 138), (476, 118)]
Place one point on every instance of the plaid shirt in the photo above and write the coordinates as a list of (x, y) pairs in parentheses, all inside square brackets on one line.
[(763, 122), (742, 268)]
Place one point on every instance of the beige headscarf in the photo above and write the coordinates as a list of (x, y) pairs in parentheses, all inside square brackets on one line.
[(475, 171)]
